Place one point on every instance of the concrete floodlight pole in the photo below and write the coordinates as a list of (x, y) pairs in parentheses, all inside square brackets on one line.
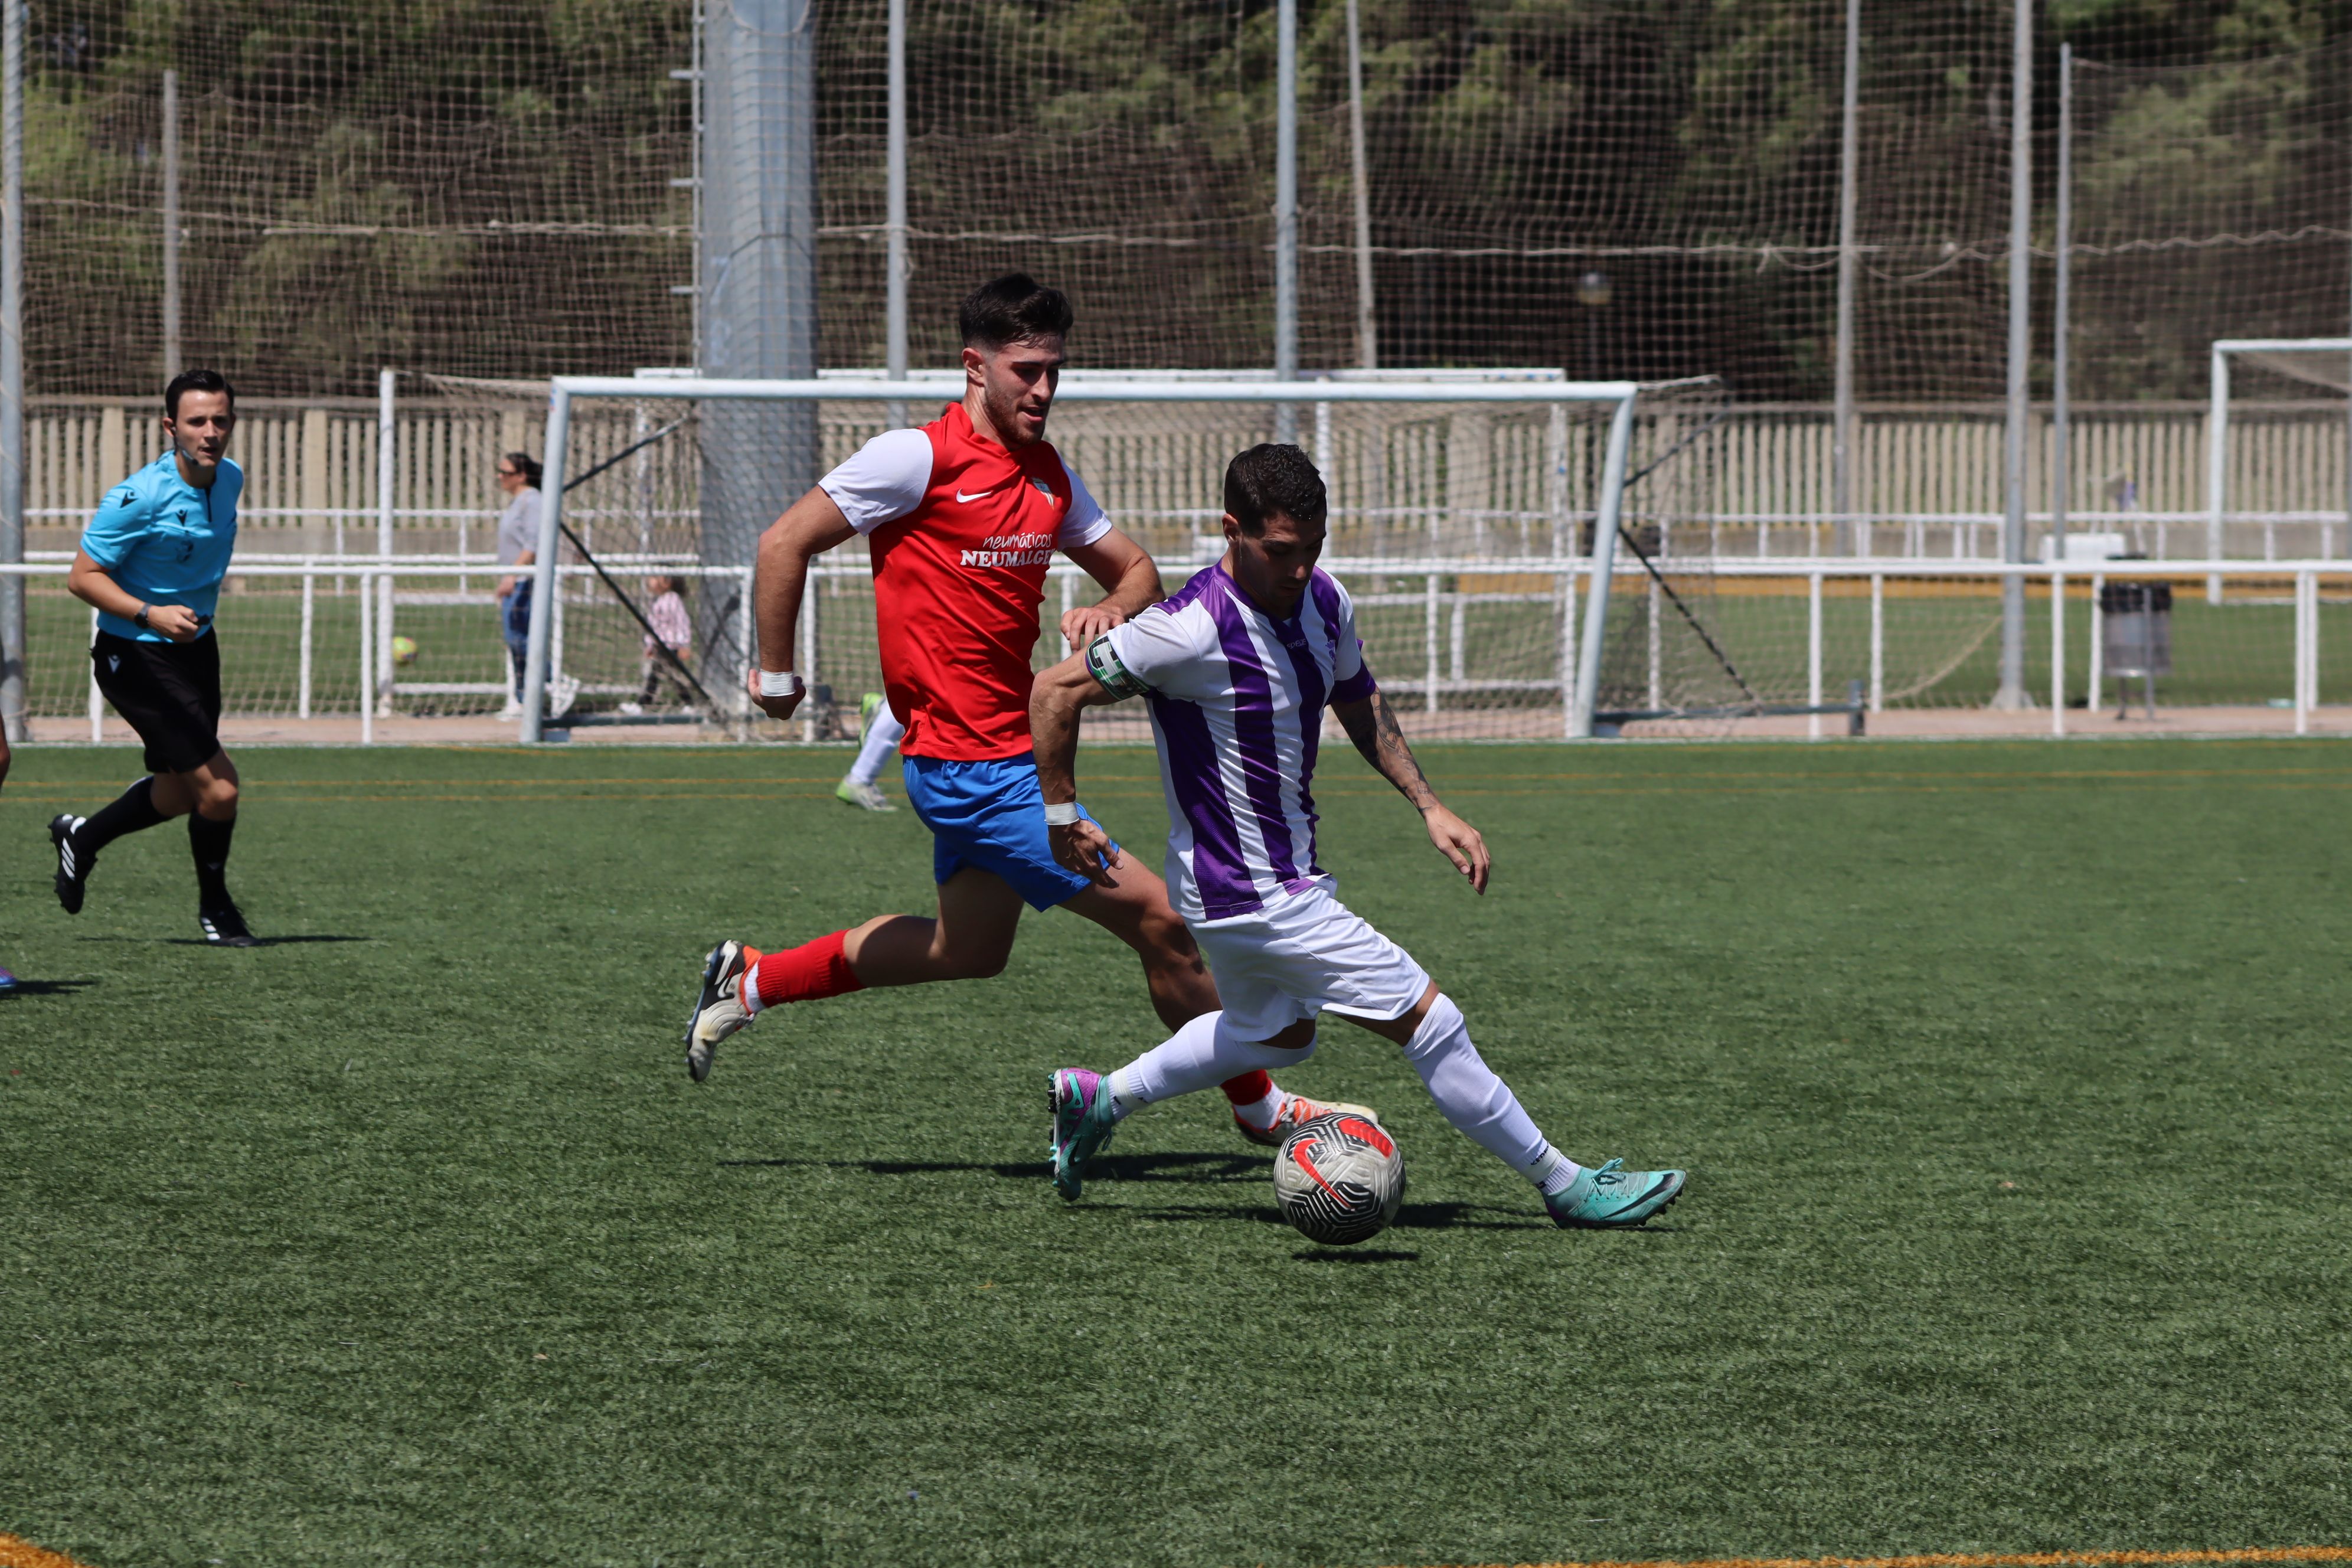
[(173, 360), (1285, 211), (894, 351), (1368, 340), (11, 366), (758, 278), (2012, 693), (1849, 170)]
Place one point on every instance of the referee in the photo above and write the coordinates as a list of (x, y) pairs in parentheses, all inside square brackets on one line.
[(152, 562)]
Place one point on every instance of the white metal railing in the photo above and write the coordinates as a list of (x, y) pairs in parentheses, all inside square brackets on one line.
[(1433, 586)]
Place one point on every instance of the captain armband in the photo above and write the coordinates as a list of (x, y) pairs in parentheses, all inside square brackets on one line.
[(1103, 664)]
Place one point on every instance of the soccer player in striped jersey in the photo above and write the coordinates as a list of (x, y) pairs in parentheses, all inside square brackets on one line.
[(963, 518), (1239, 666)]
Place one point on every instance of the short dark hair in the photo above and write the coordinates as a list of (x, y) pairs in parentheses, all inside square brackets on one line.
[(1268, 479), (195, 381), (1012, 309), (526, 465)]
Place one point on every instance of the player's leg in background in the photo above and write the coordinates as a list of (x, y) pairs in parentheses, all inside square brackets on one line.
[(969, 939), (860, 786), (1475, 1099)]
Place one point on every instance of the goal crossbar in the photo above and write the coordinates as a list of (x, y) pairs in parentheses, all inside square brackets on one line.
[(564, 390)]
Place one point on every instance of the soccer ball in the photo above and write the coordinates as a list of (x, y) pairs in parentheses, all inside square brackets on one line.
[(404, 650), (1339, 1179)]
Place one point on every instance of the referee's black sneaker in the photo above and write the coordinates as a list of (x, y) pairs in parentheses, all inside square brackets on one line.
[(73, 867), (224, 927)]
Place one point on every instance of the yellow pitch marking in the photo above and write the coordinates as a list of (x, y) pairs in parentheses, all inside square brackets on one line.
[(1989, 1560), (16, 1551)]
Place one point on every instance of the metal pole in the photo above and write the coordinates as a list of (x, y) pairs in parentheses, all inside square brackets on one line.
[(1285, 211), (895, 220), (1814, 655), (542, 570), (2217, 470), (367, 660), (1368, 341), (1849, 168), (2061, 420), (1604, 560), (386, 439), (171, 358), (2058, 651), (2012, 694), (12, 367)]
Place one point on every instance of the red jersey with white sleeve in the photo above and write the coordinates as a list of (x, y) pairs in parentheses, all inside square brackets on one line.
[(963, 532)]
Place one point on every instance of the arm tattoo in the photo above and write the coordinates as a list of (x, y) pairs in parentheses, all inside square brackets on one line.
[(1373, 729)]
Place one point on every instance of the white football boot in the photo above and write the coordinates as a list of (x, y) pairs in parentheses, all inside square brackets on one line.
[(719, 1009)]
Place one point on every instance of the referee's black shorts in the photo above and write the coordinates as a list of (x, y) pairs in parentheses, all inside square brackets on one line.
[(168, 692)]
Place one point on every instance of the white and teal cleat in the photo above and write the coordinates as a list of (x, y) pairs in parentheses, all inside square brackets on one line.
[(1609, 1197), (1080, 1101)]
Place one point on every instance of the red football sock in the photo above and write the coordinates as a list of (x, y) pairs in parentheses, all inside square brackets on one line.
[(1248, 1088), (804, 973)]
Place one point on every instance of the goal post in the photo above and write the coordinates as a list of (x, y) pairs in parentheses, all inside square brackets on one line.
[(1464, 450), (2314, 362)]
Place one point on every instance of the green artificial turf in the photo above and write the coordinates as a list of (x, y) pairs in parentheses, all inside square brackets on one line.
[(2012, 1081)]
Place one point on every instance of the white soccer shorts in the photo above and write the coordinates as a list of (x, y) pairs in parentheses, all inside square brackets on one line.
[(1302, 954)]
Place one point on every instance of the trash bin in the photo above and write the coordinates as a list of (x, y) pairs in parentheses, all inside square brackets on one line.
[(2136, 619), (2136, 636)]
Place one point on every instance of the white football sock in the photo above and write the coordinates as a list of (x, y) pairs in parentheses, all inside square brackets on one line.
[(1555, 1173), (1201, 1055), (1479, 1104), (883, 733)]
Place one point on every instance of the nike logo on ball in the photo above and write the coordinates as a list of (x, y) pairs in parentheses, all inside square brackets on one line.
[(982, 496)]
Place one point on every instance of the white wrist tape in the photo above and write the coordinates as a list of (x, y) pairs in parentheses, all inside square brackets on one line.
[(779, 683), (1061, 813)]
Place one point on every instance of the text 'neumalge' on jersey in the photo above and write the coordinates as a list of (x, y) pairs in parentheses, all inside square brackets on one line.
[(962, 534)]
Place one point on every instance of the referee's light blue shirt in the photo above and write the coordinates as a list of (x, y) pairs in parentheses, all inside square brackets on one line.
[(166, 541)]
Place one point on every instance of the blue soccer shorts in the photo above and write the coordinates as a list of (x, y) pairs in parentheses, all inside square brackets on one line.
[(990, 814)]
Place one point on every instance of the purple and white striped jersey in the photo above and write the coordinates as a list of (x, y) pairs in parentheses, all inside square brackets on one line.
[(1237, 701)]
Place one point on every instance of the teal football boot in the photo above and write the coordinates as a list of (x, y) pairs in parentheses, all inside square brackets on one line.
[(1080, 1101), (1609, 1197)]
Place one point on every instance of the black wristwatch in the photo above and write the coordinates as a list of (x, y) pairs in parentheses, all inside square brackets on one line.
[(141, 618)]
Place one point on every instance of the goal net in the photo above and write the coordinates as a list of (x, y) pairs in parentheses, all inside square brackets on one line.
[(1464, 512)]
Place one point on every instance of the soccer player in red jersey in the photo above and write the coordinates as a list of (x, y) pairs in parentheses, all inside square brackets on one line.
[(962, 518)]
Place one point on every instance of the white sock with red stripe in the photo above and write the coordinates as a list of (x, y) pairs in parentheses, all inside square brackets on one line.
[(1262, 1112)]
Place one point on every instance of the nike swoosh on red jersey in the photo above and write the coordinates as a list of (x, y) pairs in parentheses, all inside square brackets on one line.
[(982, 496)]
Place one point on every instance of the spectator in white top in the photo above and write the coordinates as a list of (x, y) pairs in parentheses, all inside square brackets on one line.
[(518, 548)]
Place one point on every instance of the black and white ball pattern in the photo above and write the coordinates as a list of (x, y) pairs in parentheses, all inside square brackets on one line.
[(1339, 1179)]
